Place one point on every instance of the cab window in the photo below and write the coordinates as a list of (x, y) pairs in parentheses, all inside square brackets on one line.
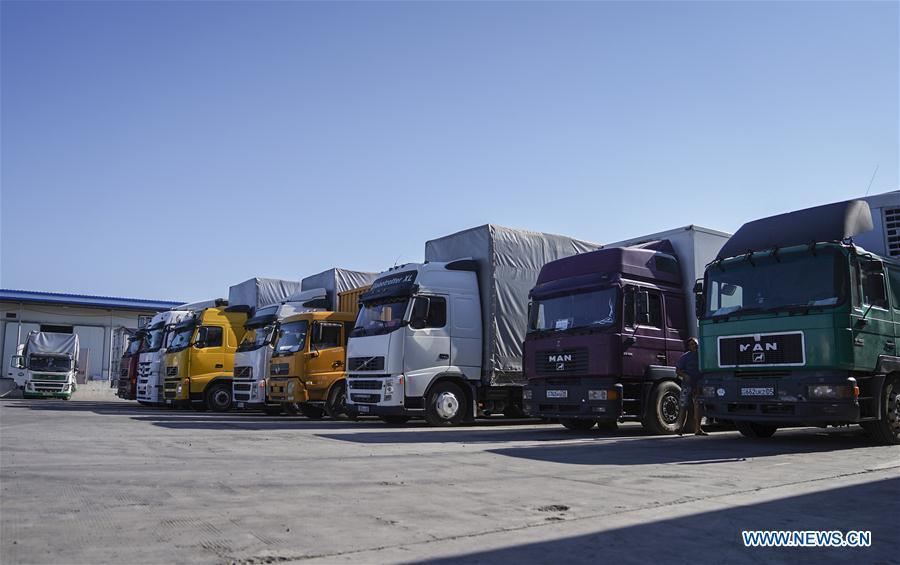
[(209, 336), (327, 335)]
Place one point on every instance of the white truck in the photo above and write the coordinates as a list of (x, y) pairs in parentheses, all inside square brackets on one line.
[(150, 379), (251, 362), (46, 364), (443, 339)]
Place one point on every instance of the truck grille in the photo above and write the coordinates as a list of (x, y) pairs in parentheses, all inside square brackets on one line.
[(279, 368), (762, 350), (564, 361), (241, 396), (365, 385), (123, 372), (243, 372), (365, 363), (171, 371), (241, 386), (48, 387), (365, 398)]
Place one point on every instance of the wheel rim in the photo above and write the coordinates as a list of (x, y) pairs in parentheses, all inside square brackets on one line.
[(894, 413), (446, 405), (337, 407), (669, 409), (221, 398)]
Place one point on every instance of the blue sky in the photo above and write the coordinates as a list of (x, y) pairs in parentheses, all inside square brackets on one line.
[(168, 150)]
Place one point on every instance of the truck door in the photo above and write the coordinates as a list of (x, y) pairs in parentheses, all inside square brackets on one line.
[(643, 330), (893, 276), (427, 343), (208, 355), (327, 364), (676, 327)]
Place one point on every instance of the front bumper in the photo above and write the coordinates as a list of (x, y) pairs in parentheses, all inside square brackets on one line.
[(48, 389), (568, 397), (778, 400), (288, 390), (248, 393)]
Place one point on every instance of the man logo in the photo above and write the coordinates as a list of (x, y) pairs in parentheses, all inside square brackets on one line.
[(559, 358), (759, 357), (758, 347)]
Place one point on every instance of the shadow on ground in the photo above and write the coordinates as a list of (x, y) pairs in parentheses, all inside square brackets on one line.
[(715, 537), (691, 450)]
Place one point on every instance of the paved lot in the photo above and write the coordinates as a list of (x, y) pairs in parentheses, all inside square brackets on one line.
[(111, 482)]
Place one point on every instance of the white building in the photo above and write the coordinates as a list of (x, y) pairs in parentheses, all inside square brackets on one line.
[(99, 321)]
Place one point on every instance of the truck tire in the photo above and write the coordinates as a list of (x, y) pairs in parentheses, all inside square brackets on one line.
[(312, 412), (886, 431), (576, 424), (662, 414), (292, 408), (756, 430), (218, 397), (334, 406), (514, 412), (394, 420), (445, 405)]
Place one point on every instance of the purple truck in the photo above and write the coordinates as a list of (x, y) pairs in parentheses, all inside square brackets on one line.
[(606, 328)]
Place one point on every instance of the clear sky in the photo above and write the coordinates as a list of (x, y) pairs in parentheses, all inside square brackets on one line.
[(169, 149)]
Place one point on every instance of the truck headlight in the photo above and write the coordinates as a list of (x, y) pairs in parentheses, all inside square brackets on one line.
[(291, 386), (709, 391), (526, 394), (598, 394), (832, 391)]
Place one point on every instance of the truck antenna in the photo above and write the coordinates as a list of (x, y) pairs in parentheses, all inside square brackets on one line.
[(397, 260), (875, 172)]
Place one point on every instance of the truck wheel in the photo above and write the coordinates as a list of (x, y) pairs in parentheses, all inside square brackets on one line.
[(755, 430), (334, 406), (292, 408), (577, 425), (272, 409), (445, 405), (312, 412), (394, 420), (218, 397), (886, 431), (663, 414), (514, 412)]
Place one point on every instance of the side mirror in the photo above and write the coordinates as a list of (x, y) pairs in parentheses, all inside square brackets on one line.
[(699, 302), (17, 361), (311, 354), (199, 344), (419, 315), (875, 289)]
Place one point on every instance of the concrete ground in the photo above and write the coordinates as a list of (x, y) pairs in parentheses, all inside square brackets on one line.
[(110, 482)]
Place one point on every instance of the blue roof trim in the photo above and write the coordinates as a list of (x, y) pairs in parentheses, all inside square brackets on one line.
[(86, 300)]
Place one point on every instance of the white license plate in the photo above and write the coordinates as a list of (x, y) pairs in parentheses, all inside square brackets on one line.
[(758, 391), (363, 409), (557, 394)]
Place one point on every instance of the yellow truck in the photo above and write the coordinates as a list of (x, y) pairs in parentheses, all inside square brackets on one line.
[(306, 371), (199, 362)]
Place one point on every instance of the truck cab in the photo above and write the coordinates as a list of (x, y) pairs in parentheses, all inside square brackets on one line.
[(46, 365), (416, 345), (306, 371), (151, 360), (128, 366), (199, 361), (798, 326)]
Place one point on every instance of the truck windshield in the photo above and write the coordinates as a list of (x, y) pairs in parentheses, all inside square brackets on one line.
[(181, 338), (155, 339), (291, 337), (256, 338), (134, 345), (380, 317), (51, 363), (799, 280), (582, 310)]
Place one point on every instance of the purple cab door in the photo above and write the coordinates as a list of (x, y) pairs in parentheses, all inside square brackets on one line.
[(676, 326), (644, 330)]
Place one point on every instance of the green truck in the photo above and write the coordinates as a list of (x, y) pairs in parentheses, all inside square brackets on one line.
[(799, 323)]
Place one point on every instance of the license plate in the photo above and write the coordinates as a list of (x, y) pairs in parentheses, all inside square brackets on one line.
[(363, 409), (557, 394), (758, 391), (240, 404)]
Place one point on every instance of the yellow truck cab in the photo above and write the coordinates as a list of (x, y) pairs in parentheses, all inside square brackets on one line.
[(306, 373), (199, 361)]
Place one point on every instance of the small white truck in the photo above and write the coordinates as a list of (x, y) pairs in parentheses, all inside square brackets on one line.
[(46, 364)]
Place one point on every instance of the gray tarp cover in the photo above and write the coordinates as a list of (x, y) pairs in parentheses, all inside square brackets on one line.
[(52, 343), (335, 281), (258, 292), (831, 222), (509, 262)]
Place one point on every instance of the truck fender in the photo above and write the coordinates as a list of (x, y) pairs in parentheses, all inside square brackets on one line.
[(467, 388), (653, 375)]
